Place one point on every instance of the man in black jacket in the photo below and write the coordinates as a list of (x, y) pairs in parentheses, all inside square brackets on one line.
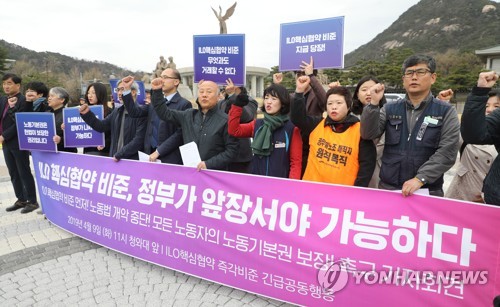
[(127, 133), (477, 128), (17, 161), (242, 161)]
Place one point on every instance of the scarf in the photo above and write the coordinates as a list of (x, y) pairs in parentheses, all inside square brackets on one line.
[(38, 105), (261, 144)]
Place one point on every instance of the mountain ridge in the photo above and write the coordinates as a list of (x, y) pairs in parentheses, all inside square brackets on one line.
[(435, 27)]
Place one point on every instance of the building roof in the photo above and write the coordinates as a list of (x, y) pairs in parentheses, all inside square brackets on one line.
[(489, 51)]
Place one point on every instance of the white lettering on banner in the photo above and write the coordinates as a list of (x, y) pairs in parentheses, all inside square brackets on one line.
[(37, 125), (154, 190), (218, 60), (83, 127), (311, 38), (75, 119), (310, 48), (82, 136), (230, 70), (209, 70), (33, 140), (219, 50), (401, 234), (214, 70), (114, 185), (372, 234), (334, 218)]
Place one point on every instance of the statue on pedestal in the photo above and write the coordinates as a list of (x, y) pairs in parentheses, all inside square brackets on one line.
[(171, 63), (222, 19), (160, 66)]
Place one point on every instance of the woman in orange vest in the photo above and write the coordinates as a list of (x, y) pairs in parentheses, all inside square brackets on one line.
[(337, 153)]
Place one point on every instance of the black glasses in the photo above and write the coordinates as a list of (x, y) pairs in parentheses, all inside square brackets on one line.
[(420, 72), (167, 77)]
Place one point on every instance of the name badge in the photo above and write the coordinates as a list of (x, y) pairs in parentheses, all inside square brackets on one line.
[(279, 145), (431, 120)]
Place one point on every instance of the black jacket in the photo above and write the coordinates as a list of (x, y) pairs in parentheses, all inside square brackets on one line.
[(169, 134), (58, 115), (133, 131), (248, 115), (9, 130), (477, 128), (216, 147)]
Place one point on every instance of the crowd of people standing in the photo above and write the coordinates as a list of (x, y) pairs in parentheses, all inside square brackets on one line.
[(332, 136)]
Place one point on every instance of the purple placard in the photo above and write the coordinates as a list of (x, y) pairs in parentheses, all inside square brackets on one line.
[(36, 131), (77, 133), (219, 57), (225, 227), (141, 93), (323, 39)]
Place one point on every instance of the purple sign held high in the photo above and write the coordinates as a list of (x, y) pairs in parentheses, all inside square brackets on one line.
[(322, 39), (219, 57), (36, 131), (77, 133)]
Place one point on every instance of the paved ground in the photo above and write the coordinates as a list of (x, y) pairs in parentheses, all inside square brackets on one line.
[(42, 265)]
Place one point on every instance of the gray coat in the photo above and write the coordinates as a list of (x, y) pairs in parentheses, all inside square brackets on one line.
[(216, 147)]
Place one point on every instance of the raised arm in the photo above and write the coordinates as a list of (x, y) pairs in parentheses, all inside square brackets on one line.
[(373, 117), (235, 127), (316, 86), (161, 109), (476, 127), (298, 115), (95, 123), (133, 109)]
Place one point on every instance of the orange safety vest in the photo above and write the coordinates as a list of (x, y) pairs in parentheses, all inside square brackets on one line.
[(333, 157)]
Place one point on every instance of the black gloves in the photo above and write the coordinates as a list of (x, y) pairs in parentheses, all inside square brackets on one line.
[(241, 100)]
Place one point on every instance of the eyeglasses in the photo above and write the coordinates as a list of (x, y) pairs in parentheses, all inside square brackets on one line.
[(420, 72), (167, 77)]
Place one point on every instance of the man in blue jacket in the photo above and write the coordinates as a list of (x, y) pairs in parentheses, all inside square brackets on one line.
[(163, 138)]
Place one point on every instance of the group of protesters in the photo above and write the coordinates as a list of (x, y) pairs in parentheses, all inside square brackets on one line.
[(313, 134)]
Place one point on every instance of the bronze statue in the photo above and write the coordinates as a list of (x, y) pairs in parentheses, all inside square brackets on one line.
[(222, 19), (171, 63), (160, 66)]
